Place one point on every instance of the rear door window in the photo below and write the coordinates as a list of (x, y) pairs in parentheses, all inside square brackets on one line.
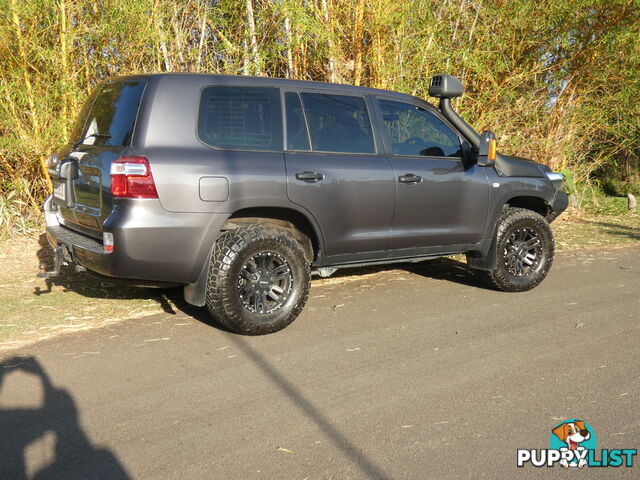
[(109, 116), (244, 118), (414, 131), (338, 123), (297, 135)]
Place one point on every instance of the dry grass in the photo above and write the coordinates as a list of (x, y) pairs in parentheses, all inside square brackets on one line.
[(33, 308), (574, 230)]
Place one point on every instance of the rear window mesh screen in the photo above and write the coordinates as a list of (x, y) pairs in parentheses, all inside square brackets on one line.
[(241, 118)]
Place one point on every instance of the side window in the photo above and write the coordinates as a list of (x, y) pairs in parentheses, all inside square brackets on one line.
[(246, 118), (414, 131), (338, 123), (297, 136)]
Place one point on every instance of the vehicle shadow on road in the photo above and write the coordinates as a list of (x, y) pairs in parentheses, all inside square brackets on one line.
[(95, 286), (450, 270), (74, 455)]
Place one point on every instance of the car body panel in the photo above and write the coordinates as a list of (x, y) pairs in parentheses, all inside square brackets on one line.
[(353, 203)]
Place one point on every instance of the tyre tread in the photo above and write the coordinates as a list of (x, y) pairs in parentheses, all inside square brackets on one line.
[(497, 277), (219, 300)]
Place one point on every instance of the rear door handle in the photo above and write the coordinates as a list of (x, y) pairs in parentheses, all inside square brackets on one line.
[(310, 176), (410, 178)]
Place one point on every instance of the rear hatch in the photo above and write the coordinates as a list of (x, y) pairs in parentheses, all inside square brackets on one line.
[(103, 132)]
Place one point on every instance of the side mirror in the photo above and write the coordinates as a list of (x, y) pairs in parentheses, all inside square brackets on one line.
[(487, 149)]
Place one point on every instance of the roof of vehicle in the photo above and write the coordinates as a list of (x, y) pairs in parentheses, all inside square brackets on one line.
[(267, 81)]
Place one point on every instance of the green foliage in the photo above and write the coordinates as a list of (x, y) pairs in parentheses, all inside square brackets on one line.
[(593, 201), (619, 188), (557, 80), (569, 181)]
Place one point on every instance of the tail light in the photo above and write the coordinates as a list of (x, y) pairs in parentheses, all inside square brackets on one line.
[(131, 178)]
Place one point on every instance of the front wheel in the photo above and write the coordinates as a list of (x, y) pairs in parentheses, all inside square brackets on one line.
[(258, 279), (524, 250)]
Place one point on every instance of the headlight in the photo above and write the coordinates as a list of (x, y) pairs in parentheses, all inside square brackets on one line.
[(556, 179)]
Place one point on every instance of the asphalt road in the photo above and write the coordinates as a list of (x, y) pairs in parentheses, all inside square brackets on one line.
[(406, 373)]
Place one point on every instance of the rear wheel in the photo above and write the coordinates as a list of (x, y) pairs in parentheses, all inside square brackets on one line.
[(258, 279), (524, 251)]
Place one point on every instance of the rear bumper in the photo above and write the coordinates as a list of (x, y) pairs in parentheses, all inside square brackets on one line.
[(149, 242)]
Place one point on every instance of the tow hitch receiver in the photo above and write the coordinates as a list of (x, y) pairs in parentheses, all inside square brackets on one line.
[(57, 264), (61, 256)]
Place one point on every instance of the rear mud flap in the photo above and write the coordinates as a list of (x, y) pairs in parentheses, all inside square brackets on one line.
[(196, 293)]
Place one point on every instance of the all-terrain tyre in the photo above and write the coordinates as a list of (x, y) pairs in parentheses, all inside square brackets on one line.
[(524, 250), (258, 279)]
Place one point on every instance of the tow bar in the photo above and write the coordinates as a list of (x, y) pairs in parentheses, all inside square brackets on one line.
[(61, 256)]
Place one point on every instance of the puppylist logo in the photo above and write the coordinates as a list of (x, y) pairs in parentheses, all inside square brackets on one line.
[(573, 444)]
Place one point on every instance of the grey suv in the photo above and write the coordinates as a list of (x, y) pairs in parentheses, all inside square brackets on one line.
[(241, 188)]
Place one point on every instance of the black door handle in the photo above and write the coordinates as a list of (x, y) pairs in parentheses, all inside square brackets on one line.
[(309, 176), (410, 178)]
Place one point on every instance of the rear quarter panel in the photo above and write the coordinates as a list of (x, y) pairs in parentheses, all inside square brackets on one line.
[(180, 162)]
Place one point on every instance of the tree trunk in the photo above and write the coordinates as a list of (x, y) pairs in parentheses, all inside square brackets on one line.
[(253, 44), (28, 86), (161, 38), (203, 25), (65, 66), (178, 34), (246, 61), (23, 59), (357, 40), (327, 19), (287, 30)]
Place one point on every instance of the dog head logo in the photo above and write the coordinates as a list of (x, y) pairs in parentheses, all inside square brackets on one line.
[(572, 433), (575, 435)]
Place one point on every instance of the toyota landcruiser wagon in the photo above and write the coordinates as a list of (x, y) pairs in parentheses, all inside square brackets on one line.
[(241, 188)]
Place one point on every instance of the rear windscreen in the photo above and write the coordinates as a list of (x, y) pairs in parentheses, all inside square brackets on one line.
[(109, 116)]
